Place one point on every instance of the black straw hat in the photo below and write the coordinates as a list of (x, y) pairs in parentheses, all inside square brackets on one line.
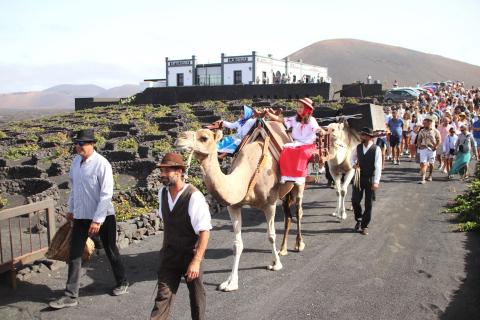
[(367, 131), (86, 135)]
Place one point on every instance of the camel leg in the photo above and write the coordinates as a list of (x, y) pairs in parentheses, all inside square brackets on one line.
[(231, 283), (300, 245), (270, 215), (288, 222), (338, 188), (343, 193)]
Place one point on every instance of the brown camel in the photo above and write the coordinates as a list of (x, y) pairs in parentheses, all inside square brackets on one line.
[(233, 189)]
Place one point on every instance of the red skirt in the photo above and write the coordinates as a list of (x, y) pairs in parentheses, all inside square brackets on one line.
[(294, 160)]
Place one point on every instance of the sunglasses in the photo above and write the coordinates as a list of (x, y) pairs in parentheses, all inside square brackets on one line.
[(81, 143)]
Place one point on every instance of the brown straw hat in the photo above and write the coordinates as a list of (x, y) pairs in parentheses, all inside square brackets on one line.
[(172, 160)]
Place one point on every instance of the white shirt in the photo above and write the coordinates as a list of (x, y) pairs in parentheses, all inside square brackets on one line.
[(242, 131), (92, 188), (378, 160), (302, 133), (197, 209), (449, 143)]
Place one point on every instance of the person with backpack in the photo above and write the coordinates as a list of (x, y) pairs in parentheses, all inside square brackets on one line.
[(463, 153)]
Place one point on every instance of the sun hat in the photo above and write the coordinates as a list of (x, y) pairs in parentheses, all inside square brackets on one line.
[(86, 135), (172, 160)]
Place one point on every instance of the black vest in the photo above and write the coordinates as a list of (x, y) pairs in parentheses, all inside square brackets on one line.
[(366, 161), (178, 231)]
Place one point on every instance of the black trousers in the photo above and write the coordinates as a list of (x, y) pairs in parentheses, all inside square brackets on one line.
[(108, 235), (357, 195), (173, 267)]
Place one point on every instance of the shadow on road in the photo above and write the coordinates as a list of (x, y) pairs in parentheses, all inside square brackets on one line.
[(465, 303)]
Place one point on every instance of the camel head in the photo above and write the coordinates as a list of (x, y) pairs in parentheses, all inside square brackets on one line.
[(201, 142), (338, 132)]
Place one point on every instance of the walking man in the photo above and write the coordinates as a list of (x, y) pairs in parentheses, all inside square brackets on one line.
[(367, 158), (428, 140), (187, 225), (91, 209), (395, 124)]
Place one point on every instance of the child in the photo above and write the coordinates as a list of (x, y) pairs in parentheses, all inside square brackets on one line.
[(413, 136), (449, 150), (229, 144), (295, 155)]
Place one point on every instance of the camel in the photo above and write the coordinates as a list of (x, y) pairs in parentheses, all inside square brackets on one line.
[(233, 189), (344, 140)]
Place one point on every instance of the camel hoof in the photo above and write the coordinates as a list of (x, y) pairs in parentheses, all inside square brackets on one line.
[(283, 252), (300, 247), (228, 286), (275, 266)]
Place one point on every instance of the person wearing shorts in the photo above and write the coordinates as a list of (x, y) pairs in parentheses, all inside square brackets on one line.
[(428, 140), (395, 124)]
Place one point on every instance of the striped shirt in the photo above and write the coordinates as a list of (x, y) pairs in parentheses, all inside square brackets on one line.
[(92, 188)]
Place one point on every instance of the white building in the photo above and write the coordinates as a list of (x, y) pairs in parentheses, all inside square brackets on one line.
[(245, 69)]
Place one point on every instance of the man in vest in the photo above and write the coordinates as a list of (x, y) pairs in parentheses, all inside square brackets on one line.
[(187, 224), (366, 157)]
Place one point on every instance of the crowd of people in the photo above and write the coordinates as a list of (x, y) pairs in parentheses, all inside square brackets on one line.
[(441, 128)]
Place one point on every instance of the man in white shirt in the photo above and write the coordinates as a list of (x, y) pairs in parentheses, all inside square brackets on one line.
[(92, 213), (368, 158), (187, 224)]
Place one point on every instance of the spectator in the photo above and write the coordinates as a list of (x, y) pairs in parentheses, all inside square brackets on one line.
[(449, 150), (463, 151), (428, 140), (395, 125)]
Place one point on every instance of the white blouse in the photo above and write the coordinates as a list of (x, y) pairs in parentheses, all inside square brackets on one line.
[(302, 133), (242, 131)]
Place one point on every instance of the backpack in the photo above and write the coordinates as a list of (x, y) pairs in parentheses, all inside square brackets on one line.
[(465, 145)]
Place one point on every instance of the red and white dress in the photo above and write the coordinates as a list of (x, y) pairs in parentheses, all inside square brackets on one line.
[(295, 155)]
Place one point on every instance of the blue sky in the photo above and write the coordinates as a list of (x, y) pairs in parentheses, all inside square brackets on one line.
[(109, 43)]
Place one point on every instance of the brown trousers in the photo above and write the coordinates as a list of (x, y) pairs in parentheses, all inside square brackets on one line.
[(173, 267)]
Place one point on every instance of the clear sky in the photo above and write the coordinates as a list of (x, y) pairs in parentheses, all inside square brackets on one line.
[(113, 42)]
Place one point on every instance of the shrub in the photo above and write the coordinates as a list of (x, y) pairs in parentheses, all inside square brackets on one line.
[(59, 137), (127, 144), (184, 108), (351, 100), (467, 206), (162, 146), (3, 202), (318, 100), (162, 111), (19, 152), (2, 135), (124, 209)]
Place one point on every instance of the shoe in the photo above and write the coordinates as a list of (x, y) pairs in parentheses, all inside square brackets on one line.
[(450, 177), (429, 178), (364, 231), (398, 162), (63, 302), (422, 181), (444, 171), (441, 168), (357, 227), (121, 289)]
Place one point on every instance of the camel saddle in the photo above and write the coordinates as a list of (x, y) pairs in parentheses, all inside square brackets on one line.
[(273, 129)]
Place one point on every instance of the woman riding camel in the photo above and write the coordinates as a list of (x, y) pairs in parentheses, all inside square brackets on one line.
[(295, 155)]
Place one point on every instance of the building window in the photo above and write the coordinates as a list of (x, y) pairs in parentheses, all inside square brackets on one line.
[(294, 79), (237, 77), (179, 79)]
